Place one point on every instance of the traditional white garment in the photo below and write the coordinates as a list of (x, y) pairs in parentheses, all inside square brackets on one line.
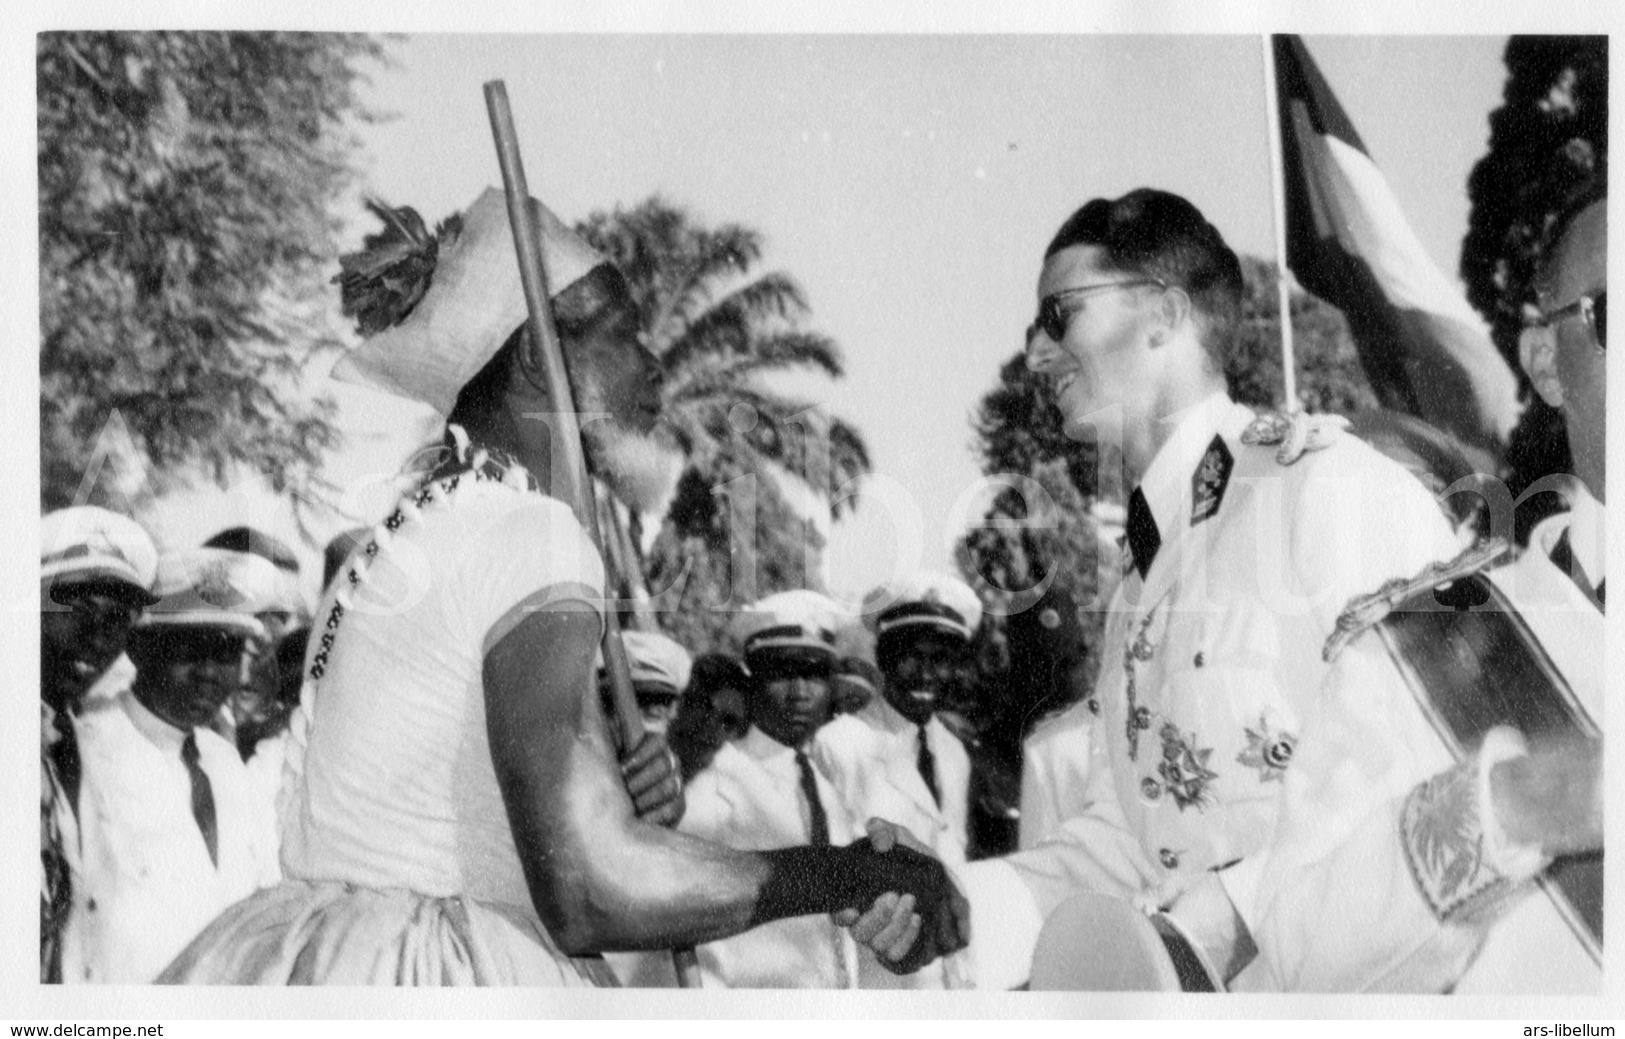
[(1210, 691), (401, 866), (146, 885), (1055, 770), (872, 757), (750, 797)]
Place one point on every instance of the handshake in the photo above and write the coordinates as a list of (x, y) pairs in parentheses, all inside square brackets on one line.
[(911, 913), (896, 898)]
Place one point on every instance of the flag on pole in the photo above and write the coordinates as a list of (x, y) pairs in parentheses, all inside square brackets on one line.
[(1424, 350)]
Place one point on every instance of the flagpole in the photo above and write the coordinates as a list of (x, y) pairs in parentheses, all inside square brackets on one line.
[(1272, 112)]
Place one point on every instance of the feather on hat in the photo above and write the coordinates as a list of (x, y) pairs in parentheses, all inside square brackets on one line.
[(445, 333)]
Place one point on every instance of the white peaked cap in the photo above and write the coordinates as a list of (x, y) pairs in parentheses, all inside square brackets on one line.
[(658, 658), (215, 587), (473, 304), (926, 600), (88, 543), (798, 620)]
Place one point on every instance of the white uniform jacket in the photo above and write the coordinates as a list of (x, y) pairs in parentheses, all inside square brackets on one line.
[(1210, 690), (146, 884), (872, 757), (1055, 770), (1368, 898)]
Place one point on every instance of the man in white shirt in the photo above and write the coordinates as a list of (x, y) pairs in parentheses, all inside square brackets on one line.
[(764, 791), (96, 569), (172, 830), (894, 758)]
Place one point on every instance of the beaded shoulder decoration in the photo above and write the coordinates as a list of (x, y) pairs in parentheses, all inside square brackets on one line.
[(465, 461)]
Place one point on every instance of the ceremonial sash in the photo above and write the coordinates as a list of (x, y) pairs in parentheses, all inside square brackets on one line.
[(1472, 663)]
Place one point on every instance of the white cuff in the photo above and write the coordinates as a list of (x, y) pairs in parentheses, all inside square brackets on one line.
[(1004, 923), (1515, 860)]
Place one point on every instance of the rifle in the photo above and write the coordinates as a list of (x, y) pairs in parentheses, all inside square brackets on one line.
[(546, 358)]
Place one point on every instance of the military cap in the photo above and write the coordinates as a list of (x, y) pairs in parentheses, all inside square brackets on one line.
[(657, 659), (474, 302), (925, 602), (257, 542), (797, 623), (90, 545), (214, 587)]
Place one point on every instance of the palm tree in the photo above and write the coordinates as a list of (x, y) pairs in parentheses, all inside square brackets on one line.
[(722, 328)]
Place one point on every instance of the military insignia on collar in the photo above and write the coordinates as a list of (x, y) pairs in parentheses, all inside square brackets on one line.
[(1269, 751), (1184, 768), (1209, 480)]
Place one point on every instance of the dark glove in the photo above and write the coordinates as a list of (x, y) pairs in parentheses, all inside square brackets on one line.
[(938, 927), (653, 781), (828, 880)]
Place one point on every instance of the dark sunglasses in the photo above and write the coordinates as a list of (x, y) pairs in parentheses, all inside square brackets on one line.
[(1052, 320), (1593, 309)]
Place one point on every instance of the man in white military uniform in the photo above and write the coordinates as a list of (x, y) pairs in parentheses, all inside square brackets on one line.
[(1429, 863), (1246, 534), (894, 758), (172, 829), (764, 791)]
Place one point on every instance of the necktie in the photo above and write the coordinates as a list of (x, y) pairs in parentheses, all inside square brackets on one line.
[(1562, 557), (202, 798), (1141, 529), (815, 807), (928, 768)]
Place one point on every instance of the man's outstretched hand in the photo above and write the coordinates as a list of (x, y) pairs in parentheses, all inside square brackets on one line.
[(905, 932), (653, 781)]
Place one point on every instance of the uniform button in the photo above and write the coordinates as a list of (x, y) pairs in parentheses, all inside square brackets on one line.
[(1150, 789), (1200, 660), (1094, 706), (1142, 649), (1142, 717), (1168, 858)]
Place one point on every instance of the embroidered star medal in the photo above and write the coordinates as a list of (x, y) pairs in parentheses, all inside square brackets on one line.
[(1269, 751), (1184, 768), (1209, 481)]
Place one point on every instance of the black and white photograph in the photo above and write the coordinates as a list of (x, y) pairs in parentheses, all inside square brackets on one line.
[(1082, 513)]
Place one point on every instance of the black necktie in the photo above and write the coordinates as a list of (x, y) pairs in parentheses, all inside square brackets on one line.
[(928, 768), (1143, 537), (202, 798), (815, 807), (1562, 556)]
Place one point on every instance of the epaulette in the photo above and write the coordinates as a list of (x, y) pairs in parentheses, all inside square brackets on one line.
[(1367, 611), (1298, 433)]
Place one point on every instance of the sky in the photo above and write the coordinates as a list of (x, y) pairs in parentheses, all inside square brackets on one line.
[(910, 183)]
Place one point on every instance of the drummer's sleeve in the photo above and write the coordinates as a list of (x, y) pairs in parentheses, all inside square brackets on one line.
[(1388, 868), (1010, 897)]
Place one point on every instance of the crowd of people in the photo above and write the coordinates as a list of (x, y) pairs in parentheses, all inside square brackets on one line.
[(1284, 778)]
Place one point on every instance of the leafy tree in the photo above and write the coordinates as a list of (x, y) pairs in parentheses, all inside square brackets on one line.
[(185, 245), (1548, 145), (719, 325)]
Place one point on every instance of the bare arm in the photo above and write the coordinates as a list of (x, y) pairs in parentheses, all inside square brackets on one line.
[(600, 878)]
